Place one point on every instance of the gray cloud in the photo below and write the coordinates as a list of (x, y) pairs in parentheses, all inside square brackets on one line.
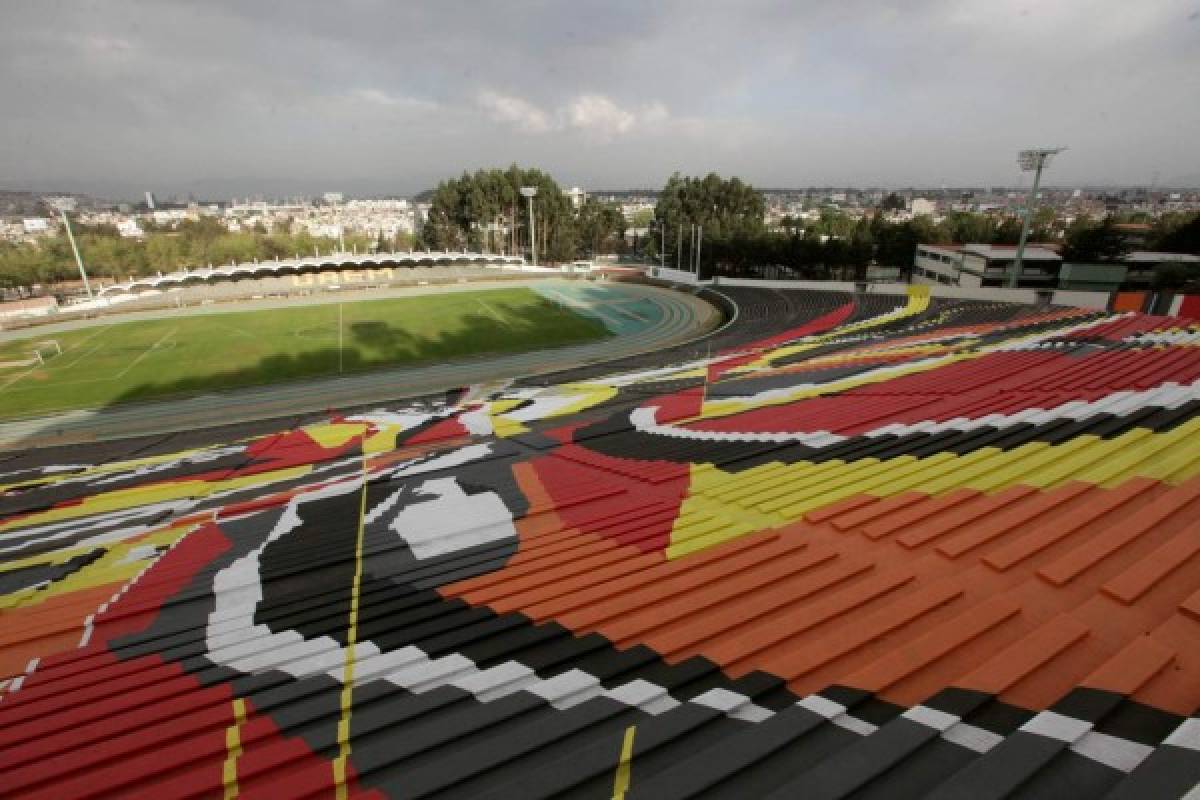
[(378, 96)]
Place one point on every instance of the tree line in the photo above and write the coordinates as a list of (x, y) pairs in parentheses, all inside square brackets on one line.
[(737, 242), (190, 243), (486, 210)]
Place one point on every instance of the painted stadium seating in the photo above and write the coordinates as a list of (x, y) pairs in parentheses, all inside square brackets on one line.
[(869, 545)]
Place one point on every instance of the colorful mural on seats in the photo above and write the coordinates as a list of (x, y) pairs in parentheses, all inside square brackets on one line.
[(957, 535)]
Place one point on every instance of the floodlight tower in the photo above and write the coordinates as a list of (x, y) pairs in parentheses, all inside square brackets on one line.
[(531, 192), (1029, 161), (62, 205)]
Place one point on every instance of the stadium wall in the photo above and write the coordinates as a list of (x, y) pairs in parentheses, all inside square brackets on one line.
[(1079, 299), (1027, 296), (1059, 297), (677, 276)]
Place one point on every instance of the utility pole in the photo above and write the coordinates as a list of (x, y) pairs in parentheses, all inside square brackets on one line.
[(1029, 161), (87, 287), (662, 251), (679, 249), (341, 229), (699, 240), (695, 245), (530, 192)]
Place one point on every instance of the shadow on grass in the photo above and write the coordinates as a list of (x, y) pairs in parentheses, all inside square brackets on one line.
[(375, 344)]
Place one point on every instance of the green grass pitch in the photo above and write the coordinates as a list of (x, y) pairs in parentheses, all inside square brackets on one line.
[(120, 362)]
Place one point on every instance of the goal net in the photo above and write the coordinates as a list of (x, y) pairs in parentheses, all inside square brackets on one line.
[(41, 352)]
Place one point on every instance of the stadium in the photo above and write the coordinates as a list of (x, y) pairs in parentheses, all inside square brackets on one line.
[(846, 544)]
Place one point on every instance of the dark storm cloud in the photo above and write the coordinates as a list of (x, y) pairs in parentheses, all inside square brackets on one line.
[(382, 96)]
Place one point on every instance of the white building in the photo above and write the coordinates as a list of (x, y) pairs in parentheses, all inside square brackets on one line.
[(36, 226), (984, 265), (129, 228), (62, 202), (172, 215), (921, 205)]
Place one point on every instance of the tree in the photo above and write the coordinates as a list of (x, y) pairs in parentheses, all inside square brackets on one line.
[(164, 253), (461, 209), (966, 228), (1176, 275), (1091, 243), (861, 249), (402, 242), (1008, 231), (727, 210), (893, 202), (1177, 233), (600, 228)]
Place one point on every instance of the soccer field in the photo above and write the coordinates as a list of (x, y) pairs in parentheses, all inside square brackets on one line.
[(121, 362)]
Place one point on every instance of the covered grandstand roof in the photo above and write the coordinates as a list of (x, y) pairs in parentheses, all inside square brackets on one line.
[(297, 266), (868, 545)]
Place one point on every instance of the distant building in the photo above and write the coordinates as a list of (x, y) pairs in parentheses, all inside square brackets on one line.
[(171, 216), (129, 228), (985, 265), (1136, 270), (62, 202), (332, 198), (150, 201), (1141, 265), (36, 226), (921, 205), (576, 195), (1041, 267)]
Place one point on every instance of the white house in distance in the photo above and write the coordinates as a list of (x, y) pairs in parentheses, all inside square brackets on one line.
[(576, 195), (922, 205), (129, 228)]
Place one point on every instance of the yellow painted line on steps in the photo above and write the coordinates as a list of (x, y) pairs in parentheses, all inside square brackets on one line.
[(233, 748), (347, 696), (621, 781)]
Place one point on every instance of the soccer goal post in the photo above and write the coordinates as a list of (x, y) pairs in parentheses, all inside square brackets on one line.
[(47, 348)]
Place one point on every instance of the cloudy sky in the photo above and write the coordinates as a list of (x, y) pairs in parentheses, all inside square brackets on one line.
[(379, 96)]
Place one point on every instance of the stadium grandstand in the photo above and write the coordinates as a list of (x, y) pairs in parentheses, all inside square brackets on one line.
[(374, 267), (850, 544)]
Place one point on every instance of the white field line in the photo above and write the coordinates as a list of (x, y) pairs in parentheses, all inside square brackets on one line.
[(102, 330), (17, 377), (80, 357), (494, 313), (144, 353), (63, 367), (239, 332)]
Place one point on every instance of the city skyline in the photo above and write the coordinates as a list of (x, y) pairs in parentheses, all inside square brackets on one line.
[(224, 99)]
